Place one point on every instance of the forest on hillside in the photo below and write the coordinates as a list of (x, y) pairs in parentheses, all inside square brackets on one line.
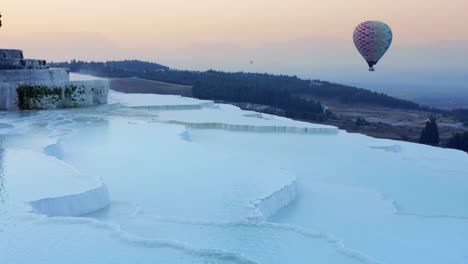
[(279, 91), (261, 89), (462, 115)]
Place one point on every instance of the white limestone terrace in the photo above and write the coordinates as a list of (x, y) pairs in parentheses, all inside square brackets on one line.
[(83, 77), (50, 186), (228, 117), (204, 114), (157, 102), (268, 206), (184, 195)]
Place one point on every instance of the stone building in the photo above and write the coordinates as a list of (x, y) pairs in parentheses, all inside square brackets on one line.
[(27, 84)]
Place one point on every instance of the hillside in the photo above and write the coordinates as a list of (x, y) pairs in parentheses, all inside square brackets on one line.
[(308, 100), (138, 85), (125, 68), (234, 85)]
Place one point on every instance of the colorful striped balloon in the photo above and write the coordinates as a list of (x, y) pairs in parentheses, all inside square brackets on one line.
[(372, 39)]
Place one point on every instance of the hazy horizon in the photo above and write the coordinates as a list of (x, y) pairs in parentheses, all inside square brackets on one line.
[(310, 39)]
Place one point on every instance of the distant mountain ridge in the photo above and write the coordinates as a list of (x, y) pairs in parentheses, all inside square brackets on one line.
[(108, 67)]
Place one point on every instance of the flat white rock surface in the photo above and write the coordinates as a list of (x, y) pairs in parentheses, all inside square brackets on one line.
[(154, 100), (167, 179)]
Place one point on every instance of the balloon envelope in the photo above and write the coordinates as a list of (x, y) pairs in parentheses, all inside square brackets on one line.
[(372, 40)]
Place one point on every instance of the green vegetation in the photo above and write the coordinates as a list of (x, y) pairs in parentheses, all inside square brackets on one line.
[(352, 95), (31, 96), (459, 141), (73, 95), (35, 97), (261, 89), (430, 133)]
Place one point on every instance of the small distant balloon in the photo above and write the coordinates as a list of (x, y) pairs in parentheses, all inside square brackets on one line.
[(372, 40), (251, 62)]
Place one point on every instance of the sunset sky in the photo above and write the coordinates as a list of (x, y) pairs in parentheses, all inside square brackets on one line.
[(303, 37)]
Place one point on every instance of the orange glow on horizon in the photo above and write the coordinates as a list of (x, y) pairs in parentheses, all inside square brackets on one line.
[(170, 25)]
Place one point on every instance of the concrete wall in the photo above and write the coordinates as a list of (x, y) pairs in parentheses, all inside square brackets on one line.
[(84, 93), (11, 54), (22, 64), (35, 64), (12, 64), (13, 60), (47, 75)]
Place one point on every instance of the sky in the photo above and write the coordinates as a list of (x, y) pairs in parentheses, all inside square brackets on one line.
[(308, 38)]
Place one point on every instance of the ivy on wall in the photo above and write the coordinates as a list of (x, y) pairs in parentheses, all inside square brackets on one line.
[(31, 97), (73, 95), (34, 97)]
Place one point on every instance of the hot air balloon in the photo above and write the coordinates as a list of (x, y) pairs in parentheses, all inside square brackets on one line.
[(372, 40)]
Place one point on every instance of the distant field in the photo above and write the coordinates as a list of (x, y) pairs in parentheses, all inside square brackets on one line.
[(392, 123), (137, 85)]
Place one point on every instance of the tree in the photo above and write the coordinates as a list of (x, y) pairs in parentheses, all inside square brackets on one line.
[(430, 133), (360, 121), (459, 141)]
